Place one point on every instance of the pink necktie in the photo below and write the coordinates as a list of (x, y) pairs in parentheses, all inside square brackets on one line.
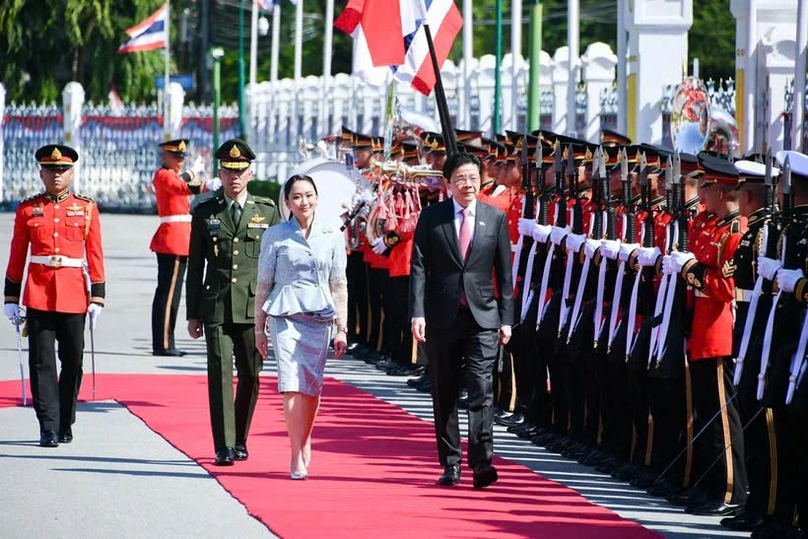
[(465, 233)]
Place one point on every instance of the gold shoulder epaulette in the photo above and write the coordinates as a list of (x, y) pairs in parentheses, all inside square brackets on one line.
[(34, 197), (84, 197)]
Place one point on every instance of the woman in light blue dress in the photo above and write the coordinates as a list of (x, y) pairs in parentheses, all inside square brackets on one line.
[(301, 294)]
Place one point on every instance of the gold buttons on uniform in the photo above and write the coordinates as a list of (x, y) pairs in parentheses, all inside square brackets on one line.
[(56, 220), (56, 206), (235, 240), (207, 287), (235, 252), (55, 234), (233, 280), (235, 266), (215, 238), (57, 249)]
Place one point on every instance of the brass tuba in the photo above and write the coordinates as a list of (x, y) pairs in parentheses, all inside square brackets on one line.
[(696, 125)]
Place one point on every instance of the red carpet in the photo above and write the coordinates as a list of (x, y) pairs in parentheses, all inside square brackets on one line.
[(373, 469)]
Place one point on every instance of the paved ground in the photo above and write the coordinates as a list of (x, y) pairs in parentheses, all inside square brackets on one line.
[(117, 469)]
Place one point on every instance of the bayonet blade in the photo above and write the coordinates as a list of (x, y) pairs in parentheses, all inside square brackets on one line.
[(602, 163), (768, 178), (643, 170), (787, 176), (623, 166)]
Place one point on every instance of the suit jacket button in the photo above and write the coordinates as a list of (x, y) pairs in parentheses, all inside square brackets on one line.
[(233, 280)]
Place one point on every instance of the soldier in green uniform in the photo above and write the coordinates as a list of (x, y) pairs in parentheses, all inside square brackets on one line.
[(226, 233)]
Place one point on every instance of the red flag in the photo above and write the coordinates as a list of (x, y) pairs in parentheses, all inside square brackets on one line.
[(380, 21)]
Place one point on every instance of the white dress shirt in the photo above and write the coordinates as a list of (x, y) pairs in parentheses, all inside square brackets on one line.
[(458, 218)]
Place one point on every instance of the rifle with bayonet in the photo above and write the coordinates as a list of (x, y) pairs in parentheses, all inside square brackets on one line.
[(552, 273), (525, 242)]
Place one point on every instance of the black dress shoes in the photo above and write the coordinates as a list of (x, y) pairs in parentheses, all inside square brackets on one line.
[(714, 508), (240, 452), (225, 457), (171, 352), (451, 476), (484, 476), (745, 522), (48, 439), (689, 497), (415, 382), (510, 420), (66, 436)]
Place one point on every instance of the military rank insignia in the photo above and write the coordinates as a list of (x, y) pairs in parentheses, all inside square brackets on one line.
[(257, 222), (37, 211), (74, 210)]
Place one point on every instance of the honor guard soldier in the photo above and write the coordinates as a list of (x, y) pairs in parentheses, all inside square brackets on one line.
[(64, 233), (709, 270), (170, 241), (226, 232)]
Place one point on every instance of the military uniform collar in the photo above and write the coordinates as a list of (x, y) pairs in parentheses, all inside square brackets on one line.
[(728, 218), (61, 197), (757, 216), (692, 203), (656, 204)]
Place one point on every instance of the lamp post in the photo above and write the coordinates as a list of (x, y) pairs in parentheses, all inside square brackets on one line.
[(241, 123), (217, 55)]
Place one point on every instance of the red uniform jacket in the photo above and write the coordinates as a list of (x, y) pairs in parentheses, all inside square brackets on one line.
[(713, 242), (172, 191), (64, 234)]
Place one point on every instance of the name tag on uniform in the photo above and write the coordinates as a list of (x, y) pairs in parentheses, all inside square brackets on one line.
[(745, 243), (257, 225), (37, 211)]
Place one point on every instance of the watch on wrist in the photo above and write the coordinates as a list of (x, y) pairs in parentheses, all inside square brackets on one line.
[(342, 329)]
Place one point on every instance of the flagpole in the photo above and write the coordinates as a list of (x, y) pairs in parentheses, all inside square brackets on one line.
[(276, 33), (449, 137), (298, 67), (465, 109), (573, 13), (497, 74), (327, 52), (254, 45), (241, 122), (166, 133), (516, 52)]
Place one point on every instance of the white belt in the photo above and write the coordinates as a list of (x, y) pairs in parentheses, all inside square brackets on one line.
[(184, 218), (743, 295), (58, 261)]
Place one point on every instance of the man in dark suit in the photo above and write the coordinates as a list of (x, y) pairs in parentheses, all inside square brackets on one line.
[(458, 244)]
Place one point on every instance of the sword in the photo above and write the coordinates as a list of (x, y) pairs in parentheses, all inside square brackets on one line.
[(92, 355), (18, 320), (696, 437)]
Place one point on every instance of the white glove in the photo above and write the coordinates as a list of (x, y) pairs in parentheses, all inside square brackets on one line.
[(12, 311), (526, 226), (610, 249), (648, 256), (198, 165), (768, 267), (591, 247), (378, 246), (626, 249), (574, 242), (213, 184), (667, 265), (679, 259), (541, 232), (558, 234), (787, 279), (94, 310)]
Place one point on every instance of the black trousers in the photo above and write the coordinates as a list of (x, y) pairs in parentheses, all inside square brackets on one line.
[(668, 405), (357, 298), (170, 274), (391, 324), (376, 282), (230, 419), (406, 351), (713, 396), (55, 402), (467, 343)]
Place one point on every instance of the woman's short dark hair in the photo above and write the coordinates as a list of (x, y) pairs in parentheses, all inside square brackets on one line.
[(287, 187), (457, 160)]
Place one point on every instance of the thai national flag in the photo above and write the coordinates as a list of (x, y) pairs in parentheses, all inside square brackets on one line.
[(149, 34), (390, 33)]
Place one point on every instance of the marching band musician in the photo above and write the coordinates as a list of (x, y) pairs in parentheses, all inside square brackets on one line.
[(170, 241), (63, 231)]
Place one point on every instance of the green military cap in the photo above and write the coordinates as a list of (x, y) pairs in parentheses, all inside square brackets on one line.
[(235, 154)]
